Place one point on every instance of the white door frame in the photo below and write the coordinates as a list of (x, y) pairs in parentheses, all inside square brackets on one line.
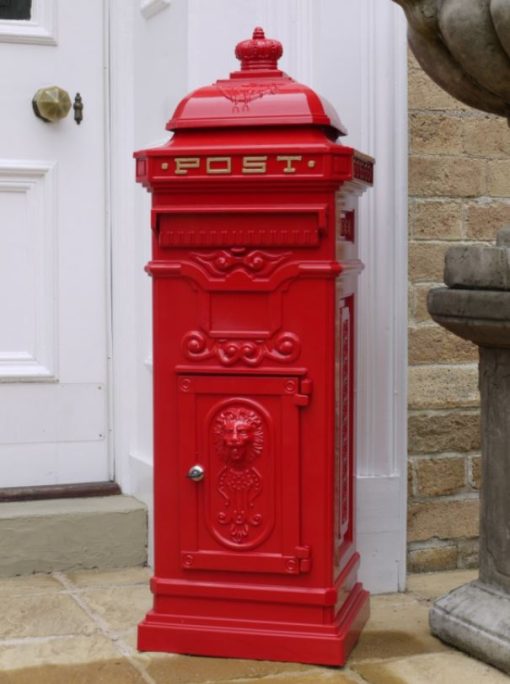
[(380, 82)]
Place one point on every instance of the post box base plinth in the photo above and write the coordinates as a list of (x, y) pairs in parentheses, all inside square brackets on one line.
[(315, 644)]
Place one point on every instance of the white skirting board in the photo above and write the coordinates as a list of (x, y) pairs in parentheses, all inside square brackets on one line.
[(380, 520)]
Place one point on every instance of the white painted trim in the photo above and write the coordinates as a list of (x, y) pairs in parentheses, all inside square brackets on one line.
[(41, 29), (379, 533), (382, 340), (20, 366), (33, 176), (292, 24), (122, 210), (108, 156), (400, 292), (149, 8)]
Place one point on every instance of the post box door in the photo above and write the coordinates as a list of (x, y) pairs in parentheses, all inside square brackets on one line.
[(239, 438)]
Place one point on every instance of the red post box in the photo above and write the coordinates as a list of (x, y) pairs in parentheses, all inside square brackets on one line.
[(254, 273)]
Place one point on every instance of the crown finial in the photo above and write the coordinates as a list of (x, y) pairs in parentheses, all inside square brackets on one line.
[(259, 53)]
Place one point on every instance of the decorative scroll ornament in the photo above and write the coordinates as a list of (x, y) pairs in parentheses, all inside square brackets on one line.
[(238, 439), (284, 348), (241, 95), (259, 263)]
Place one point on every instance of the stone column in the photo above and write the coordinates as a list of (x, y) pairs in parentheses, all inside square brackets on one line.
[(476, 306)]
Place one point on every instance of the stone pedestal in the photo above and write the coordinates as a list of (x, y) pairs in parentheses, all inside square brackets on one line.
[(476, 306)]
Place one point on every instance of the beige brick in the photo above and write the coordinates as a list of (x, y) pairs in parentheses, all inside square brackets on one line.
[(486, 137), (498, 178), (411, 302), (485, 218), (426, 262), (425, 94), (432, 559), (469, 556), (475, 471), (450, 177), (434, 133), (443, 519), (437, 432), (436, 387), (435, 220), (410, 479), (438, 476), (432, 344), (421, 314)]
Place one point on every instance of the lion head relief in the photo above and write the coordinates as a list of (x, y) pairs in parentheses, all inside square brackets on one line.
[(238, 434)]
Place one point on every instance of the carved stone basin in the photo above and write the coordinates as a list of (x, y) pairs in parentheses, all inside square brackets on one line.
[(464, 46)]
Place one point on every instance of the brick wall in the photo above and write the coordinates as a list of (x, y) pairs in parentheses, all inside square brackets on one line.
[(459, 191)]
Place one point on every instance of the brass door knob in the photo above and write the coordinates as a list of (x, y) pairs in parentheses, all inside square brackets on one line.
[(51, 103)]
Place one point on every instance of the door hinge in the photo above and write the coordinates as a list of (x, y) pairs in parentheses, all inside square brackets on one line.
[(303, 554), (302, 398)]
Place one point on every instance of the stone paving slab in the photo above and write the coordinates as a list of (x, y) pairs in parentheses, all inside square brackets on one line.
[(398, 626), (80, 628), (435, 584), (443, 668), (92, 659)]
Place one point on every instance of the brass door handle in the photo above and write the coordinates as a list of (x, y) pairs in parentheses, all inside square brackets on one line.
[(51, 103)]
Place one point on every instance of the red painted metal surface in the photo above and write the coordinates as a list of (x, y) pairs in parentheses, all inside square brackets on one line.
[(254, 273)]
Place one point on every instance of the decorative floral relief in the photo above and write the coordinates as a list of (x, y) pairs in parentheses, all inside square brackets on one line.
[(284, 348), (238, 439), (259, 263), (242, 95)]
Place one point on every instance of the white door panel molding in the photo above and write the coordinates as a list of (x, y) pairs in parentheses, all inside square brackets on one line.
[(40, 29), (28, 270)]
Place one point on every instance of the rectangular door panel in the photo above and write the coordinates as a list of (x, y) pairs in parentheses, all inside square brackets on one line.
[(244, 514)]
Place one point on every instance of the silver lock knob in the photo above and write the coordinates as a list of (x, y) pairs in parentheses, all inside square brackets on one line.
[(196, 473)]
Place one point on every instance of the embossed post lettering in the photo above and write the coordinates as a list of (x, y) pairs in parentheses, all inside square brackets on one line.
[(218, 165), (182, 164), (254, 164), (289, 159)]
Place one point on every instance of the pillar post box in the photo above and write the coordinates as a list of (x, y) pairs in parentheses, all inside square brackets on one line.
[(254, 267)]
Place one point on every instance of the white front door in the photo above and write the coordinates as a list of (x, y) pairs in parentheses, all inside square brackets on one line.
[(53, 248)]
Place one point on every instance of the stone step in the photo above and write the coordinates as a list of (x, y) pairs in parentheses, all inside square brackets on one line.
[(72, 534)]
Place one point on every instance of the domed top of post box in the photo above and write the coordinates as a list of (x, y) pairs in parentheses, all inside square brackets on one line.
[(259, 94)]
